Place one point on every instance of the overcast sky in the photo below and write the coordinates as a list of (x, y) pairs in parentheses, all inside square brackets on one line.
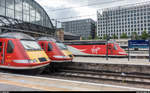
[(66, 10)]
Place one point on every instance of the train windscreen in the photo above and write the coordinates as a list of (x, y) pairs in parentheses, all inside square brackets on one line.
[(115, 47), (30, 45), (62, 46)]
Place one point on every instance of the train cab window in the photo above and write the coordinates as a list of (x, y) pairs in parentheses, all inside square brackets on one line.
[(49, 47), (115, 47), (1, 46), (10, 47), (42, 45)]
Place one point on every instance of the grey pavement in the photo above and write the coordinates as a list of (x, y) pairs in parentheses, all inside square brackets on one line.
[(6, 87)]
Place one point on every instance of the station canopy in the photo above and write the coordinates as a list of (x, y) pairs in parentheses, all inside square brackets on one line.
[(25, 15)]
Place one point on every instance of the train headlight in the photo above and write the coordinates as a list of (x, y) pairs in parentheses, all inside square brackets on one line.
[(59, 56), (21, 61), (122, 53), (32, 61), (25, 61)]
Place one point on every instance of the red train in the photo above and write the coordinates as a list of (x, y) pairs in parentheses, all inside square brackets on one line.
[(20, 52), (54, 50), (94, 48)]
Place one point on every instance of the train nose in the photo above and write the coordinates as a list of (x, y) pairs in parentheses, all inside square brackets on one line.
[(122, 53)]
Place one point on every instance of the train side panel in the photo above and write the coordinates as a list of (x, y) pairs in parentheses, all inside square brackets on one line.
[(113, 49)]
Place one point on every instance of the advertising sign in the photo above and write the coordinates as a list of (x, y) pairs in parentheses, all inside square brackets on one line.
[(138, 43)]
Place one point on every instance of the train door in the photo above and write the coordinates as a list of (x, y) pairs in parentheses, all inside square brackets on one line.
[(43, 46), (2, 52), (10, 46)]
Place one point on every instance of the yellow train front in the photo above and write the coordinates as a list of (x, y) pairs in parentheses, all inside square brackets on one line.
[(65, 50)]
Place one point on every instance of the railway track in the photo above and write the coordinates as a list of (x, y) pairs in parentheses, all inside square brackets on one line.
[(102, 75)]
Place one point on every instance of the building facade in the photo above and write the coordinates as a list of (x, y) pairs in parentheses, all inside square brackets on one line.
[(16, 13), (84, 28), (124, 19)]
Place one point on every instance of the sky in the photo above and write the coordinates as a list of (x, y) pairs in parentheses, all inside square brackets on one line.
[(67, 10)]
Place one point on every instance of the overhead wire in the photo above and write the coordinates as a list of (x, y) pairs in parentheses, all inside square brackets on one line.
[(82, 15), (92, 4)]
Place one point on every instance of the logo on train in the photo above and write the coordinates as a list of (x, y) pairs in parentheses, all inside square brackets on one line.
[(95, 49)]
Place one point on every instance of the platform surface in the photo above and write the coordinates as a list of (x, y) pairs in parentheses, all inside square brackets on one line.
[(7, 87), (112, 60), (50, 84)]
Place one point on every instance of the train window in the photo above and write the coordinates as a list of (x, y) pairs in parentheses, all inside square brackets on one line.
[(115, 47), (49, 47), (1, 43), (10, 47), (30, 45), (42, 45), (62, 46)]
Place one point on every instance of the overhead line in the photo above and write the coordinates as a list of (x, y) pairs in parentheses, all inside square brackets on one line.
[(75, 16), (84, 5)]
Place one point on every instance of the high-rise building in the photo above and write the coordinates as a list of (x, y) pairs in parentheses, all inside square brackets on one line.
[(124, 19), (84, 28)]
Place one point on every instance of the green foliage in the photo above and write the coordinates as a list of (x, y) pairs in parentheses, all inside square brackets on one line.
[(89, 37), (135, 36), (124, 35), (144, 35), (104, 37), (114, 37), (83, 38)]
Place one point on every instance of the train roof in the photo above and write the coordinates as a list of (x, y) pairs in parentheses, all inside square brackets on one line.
[(48, 39), (86, 42), (16, 35)]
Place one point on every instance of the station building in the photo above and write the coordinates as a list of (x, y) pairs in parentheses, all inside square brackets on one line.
[(63, 36), (84, 27), (25, 15), (124, 19)]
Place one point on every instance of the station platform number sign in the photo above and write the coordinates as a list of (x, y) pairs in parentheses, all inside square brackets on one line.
[(138, 43)]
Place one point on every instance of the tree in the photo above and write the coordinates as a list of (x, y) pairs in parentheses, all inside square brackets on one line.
[(83, 38), (144, 35), (96, 37), (135, 36), (124, 35), (89, 37), (104, 37), (114, 36)]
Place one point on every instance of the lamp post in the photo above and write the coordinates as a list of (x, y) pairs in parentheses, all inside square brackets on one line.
[(107, 38), (149, 49)]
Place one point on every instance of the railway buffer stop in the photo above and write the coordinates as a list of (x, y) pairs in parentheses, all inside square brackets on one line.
[(138, 44)]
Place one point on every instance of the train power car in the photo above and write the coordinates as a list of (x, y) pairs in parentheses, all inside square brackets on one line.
[(95, 48), (20, 52), (55, 50)]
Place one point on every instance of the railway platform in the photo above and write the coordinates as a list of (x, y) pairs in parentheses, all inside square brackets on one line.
[(7, 87), (132, 61), (115, 65), (15, 82)]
